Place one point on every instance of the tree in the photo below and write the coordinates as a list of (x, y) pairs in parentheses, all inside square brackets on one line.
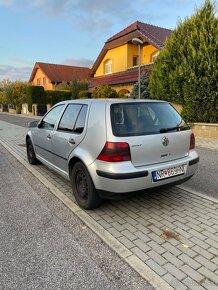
[(16, 93), (3, 99), (104, 91), (144, 86), (186, 70), (63, 86)]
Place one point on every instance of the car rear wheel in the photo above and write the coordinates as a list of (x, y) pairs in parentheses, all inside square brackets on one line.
[(83, 187), (31, 153)]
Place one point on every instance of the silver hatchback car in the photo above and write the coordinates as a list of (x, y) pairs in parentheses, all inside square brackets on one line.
[(110, 148)]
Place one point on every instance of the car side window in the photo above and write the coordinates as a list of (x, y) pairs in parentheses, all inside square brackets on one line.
[(69, 117), (50, 119), (80, 123)]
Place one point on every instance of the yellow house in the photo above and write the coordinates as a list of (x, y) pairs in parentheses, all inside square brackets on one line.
[(49, 75), (117, 63)]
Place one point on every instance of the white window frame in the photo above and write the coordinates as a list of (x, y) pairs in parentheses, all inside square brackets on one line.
[(108, 66), (154, 56)]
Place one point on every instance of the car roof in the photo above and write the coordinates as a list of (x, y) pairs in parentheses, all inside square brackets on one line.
[(111, 101)]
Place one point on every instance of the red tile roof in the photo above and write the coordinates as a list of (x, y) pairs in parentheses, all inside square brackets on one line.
[(148, 33), (153, 34), (58, 73), (126, 77)]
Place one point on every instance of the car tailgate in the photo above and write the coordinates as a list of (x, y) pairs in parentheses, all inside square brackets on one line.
[(157, 148)]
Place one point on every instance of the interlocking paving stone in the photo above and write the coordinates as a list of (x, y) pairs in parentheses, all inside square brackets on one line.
[(209, 285), (210, 275), (212, 243), (192, 273), (156, 257), (213, 251), (126, 242), (210, 235), (200, 243), (144, 247), (189, 261), (203, 252), (192, 284), (139, 253), (129, 235), (138, 223), (172, 249), (172, 259), (174, 271), (210, 265), (175, 283), (156, 267)]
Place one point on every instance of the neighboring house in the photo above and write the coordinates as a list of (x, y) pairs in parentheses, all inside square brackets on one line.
[(49, 75), (117, 63)]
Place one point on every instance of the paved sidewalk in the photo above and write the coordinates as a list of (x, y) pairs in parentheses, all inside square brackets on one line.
[(187, 260)]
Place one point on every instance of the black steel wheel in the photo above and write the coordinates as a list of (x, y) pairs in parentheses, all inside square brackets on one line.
[(83, 187), (31, 153)]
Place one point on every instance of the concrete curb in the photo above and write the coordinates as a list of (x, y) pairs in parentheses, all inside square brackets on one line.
[(149, 275), (210, 198)]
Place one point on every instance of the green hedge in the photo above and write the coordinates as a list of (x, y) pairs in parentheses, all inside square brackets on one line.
[(54, 97), (37, 95)]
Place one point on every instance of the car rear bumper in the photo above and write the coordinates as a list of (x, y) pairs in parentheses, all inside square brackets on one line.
[(121, 195), (126, 179)]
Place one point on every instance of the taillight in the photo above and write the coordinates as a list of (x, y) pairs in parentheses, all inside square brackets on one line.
[(115, 152), (192, 141)]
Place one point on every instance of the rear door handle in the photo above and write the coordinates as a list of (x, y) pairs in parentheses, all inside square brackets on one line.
[(48, 137), (72, 141)]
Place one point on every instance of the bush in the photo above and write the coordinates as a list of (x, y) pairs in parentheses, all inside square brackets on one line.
[(83, 95), (104, 91)]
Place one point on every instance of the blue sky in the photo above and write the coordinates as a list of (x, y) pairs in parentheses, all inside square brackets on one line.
[(73, 31)]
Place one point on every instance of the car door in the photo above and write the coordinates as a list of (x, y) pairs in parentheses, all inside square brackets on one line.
[(69, 134), (42, 136)]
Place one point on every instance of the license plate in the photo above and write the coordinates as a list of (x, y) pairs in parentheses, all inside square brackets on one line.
[(168, 172)]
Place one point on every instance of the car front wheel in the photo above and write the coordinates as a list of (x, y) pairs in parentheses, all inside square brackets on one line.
[(83, 187)]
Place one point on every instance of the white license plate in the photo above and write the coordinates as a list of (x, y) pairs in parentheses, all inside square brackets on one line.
[(168, 172)]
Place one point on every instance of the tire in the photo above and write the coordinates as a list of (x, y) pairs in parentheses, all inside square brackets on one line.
[(31, 153), (83, 187)]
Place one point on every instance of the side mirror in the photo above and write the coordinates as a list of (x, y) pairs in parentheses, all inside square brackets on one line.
[(33, 124)]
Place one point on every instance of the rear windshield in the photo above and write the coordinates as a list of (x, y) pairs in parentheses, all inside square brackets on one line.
[(133, 119)]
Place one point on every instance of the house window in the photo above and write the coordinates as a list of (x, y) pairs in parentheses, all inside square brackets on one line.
[(154, 56), (135, 60), (44, 81), (38, 82), (108, 66)]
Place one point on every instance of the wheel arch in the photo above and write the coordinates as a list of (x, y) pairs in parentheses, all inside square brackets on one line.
[(72, 162)]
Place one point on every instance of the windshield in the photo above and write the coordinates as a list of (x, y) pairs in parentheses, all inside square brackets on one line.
[(133, 119)]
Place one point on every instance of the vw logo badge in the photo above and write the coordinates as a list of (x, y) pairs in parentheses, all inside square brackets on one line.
[(165, 141)]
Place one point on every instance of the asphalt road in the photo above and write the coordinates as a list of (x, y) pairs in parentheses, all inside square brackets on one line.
[(204, 181), (44, 246)]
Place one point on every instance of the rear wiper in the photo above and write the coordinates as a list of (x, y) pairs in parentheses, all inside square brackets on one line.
[(164, 130)]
